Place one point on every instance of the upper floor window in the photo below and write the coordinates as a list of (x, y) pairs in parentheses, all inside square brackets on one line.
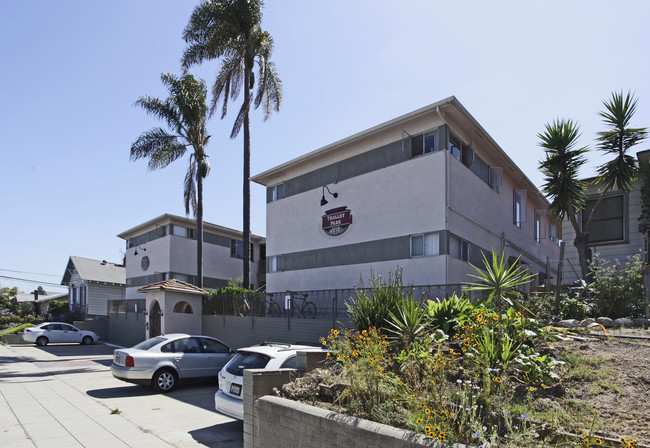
[(276, 263), (540, 216), (424, 143), (277, 192), (519, 207), (425, 245), (608, 224), (237, 249), (181, 231)]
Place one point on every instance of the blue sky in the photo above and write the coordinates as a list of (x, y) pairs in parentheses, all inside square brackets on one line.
[(71, 71)]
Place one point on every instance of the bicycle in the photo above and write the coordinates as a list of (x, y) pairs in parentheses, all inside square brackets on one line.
[(270, 306), (307, 309)]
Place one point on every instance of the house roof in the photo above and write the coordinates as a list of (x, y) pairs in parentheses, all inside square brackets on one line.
[(449, 109), (22, 297), (98, 271), (175, 286), (168, 218)]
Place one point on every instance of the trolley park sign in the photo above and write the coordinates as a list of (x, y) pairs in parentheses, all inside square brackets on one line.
[(336, 221)]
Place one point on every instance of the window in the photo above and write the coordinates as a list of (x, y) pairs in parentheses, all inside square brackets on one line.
[(608, 224), (540, 217), (237, 249), (458, 248), (212, 346), (276, 263), (181, 231), (424, 143), (519, 207), (277, 192), (425, 245), (82, 295), (455, 146), (183, 307), (290, 363)]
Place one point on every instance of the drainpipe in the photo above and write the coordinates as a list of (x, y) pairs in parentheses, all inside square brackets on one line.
[(446, 201)]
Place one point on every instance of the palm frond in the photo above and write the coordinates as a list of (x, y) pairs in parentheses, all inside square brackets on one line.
[(189, 187), (239, 121), (161, 147)]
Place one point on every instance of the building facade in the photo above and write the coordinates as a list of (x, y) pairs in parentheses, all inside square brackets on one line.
[(429, 192), (92, 283), (164, 248), (618, 230)]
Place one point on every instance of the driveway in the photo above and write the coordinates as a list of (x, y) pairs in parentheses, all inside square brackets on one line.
[(64, 395)]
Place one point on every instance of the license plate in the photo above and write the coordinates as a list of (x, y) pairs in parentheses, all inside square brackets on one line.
[(235, 389)]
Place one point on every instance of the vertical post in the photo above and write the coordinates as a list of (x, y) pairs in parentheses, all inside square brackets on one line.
[(334, 311), (559, 280)]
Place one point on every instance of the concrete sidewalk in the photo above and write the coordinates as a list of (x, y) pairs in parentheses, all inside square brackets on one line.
[(39, 410)]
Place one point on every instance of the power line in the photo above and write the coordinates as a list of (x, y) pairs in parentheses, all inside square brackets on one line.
[(38, 282), (32, 273)]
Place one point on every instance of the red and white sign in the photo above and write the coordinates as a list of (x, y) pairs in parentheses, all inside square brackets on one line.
[(336, 221)]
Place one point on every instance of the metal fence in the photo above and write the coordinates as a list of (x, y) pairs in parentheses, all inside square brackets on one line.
[(127, 306), (321, 304)]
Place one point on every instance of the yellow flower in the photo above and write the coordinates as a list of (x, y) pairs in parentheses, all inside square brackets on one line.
[(598, 441), (418, 421), (497, 379), (442, 436), (532, 389)]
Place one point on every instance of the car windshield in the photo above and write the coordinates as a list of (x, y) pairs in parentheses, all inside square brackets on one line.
[(146, 345), (247, 360)]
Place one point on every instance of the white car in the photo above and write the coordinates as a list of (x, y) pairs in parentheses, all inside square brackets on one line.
[(229, 399), (163, 360), (43, 334)]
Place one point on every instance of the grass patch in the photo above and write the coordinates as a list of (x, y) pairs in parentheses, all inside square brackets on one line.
[(15, 330)]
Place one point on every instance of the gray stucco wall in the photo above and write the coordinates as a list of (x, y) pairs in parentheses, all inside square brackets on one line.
[(126, 329), (243, 331)]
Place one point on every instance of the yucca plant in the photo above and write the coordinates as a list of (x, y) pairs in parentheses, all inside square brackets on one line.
[(500, 281), (445, 314)]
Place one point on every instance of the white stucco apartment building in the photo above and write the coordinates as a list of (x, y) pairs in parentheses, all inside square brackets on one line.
[(429, 191), (164, 248)]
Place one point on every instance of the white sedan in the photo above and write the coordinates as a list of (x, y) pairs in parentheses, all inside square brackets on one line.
[(43, 334)]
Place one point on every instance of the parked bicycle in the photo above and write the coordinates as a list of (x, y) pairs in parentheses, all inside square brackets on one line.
[(305, 308), (271, 306)]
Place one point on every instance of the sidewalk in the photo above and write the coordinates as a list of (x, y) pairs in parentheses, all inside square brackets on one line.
[(39, 410)]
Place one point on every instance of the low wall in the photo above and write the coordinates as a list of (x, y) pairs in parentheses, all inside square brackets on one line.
[(281, 423), (126, 329), (14, 339), (244, 331), (100, 327)]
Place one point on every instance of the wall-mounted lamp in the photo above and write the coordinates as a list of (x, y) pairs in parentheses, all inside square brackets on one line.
[(144, 249), (323, 201)]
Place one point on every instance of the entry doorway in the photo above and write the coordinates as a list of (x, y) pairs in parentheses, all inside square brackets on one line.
[(154, 320)]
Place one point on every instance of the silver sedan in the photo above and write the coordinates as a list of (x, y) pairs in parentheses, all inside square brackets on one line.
[(163, 360)]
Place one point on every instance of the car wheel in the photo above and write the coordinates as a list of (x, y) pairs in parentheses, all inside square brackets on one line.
[(87, 340), (165, 380), (42, 341)]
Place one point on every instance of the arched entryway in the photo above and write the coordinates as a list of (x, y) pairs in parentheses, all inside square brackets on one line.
[(154, 320)]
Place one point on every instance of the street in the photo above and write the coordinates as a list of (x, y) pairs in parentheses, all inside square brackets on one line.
[(64, 395)]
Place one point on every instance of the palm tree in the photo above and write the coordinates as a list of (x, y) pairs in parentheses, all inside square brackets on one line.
[(230, 30), (562, 162), (562, 184), (185, 112)]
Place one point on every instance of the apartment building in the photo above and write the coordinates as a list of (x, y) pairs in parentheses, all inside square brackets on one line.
[(429, 191)]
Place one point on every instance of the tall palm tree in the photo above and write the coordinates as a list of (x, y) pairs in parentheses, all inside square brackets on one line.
[(562, 162), (230, 30), (562, 184), (185, 112)]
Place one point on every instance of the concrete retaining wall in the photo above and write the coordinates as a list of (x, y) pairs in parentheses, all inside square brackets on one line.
[(244, 331), (281, 423)]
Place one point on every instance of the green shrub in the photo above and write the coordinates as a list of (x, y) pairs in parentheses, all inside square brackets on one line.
[(618, 287), (373, 310), (58, 308), (445, 314), (16, 329)]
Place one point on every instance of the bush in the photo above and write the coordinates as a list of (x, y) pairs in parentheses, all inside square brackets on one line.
[(618, 287), (374, 310), (57, 309), (16, 329)]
